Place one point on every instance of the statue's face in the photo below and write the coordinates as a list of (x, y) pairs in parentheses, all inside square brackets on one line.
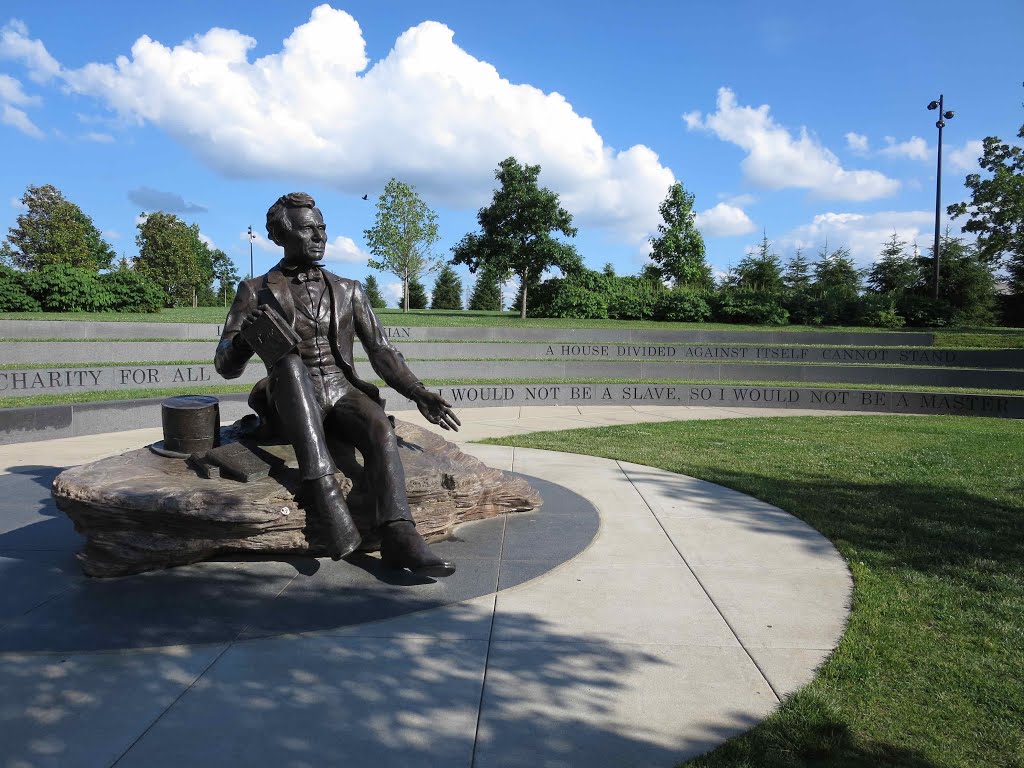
[(304, 243)]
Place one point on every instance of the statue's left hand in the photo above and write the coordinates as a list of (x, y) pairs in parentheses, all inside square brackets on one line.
[(436, 409)]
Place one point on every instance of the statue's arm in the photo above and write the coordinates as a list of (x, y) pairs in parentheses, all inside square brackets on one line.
[(387, 361), (232, 351)]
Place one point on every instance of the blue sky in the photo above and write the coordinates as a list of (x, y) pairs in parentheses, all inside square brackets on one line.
[(805, 120)]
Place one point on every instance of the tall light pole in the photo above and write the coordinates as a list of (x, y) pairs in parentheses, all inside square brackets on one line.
[(940, 124), (252, 237)]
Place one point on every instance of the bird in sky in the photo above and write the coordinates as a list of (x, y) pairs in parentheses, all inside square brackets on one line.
[(366, 197)]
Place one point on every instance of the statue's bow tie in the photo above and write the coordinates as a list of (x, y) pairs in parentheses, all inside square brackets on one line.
[(304, 276)]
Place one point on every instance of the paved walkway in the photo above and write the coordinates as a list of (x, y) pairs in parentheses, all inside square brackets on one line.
[(684, 620)]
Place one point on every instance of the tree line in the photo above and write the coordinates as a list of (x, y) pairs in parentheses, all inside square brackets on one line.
[(519, 233), (54, 259)]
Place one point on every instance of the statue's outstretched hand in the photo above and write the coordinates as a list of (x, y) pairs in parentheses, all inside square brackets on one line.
[(436, 409)]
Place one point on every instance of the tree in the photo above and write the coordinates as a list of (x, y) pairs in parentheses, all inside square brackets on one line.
[(797, 297), (172, 256), (486, 294), (996, 209), (54, 231), (836, 287), (896, 272), (224, 272), (516, 230), (403, 235), (416, 297), (373, 293), (797, 275), (447, 293), (678, 249), (760, 270)]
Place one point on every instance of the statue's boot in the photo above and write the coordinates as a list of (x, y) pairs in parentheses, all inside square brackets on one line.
[(401, 546), (330, 505)]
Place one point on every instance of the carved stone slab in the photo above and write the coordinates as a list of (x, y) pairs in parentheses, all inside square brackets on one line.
[(140, 511)]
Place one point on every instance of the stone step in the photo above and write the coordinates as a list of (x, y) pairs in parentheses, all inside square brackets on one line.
[(125, 377), (18, 425), (13, 352), (73, 329)]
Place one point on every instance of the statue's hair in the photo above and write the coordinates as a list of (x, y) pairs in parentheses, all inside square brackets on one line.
[(277, 215)]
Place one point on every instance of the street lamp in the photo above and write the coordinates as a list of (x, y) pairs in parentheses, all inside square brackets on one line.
[(252, 238), (940, 124)]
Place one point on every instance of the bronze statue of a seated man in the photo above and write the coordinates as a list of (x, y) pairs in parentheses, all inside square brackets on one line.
[(311, 392)]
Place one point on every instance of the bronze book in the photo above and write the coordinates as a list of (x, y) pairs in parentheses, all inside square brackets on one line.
[(270, 337)]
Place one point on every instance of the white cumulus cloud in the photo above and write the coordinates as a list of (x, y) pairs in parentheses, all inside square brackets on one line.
[(16, 44), (914, 148), (862, 233), (857, 142), (776, 159), (392, 293), (965, 157), (317, 110), (724, 220), (343, 248)]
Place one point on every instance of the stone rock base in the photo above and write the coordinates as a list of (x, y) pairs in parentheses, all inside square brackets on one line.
[(140, 511)]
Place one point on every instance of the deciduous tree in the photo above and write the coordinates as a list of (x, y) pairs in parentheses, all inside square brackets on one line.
[(54, 231), (516, 230), (224, 272), (416, 298), (403, 235), (172, 256), (678, 248)]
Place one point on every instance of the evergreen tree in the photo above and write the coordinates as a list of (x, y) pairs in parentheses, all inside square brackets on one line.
[(797, 275), (54, 231), (678, 248), (836, 287), (417, 296), (447, 293), (896, 272), (372, 289), (486, 294), (760, 270)]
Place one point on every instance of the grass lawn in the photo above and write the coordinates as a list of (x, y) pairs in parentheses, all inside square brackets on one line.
[(929, 512)]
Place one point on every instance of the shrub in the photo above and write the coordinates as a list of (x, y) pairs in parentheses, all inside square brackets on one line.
[(60, 288), (132, 292), (632, 299), (573, 301), (879, 311), (681, 305), (741, 305), (13, 294)]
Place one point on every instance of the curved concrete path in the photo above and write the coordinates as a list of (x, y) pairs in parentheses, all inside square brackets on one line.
[(692, 611)]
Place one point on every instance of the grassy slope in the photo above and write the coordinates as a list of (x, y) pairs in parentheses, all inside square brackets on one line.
[(928, 511), (980, 337)]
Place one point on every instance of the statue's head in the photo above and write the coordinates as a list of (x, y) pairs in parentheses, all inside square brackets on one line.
[(296, 224)]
